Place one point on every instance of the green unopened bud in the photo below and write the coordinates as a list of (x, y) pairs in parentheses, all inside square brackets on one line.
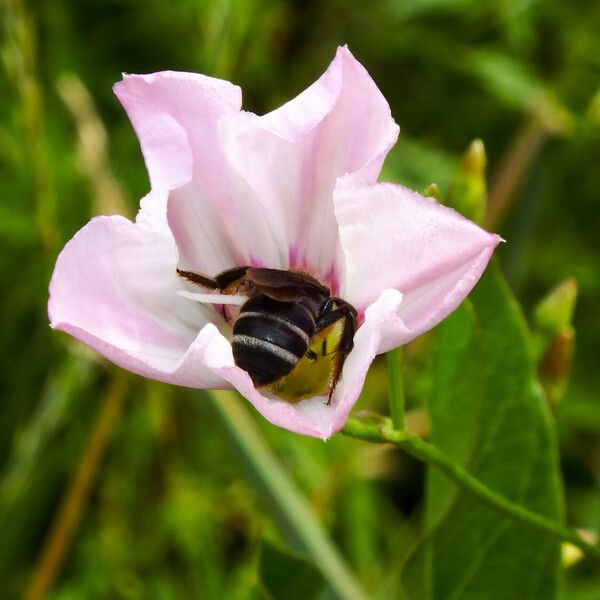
[(554, 338), (555, 367), (555, 311), (433, 191), (467, 193)]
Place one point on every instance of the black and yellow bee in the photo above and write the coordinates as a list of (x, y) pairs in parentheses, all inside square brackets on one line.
[(291, 335)]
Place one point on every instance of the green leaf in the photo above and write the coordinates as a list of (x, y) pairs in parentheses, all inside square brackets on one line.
[(513, 83), (488, 413), (288, 576)]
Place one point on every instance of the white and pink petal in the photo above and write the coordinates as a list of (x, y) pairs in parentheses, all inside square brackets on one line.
[(176, 116), (290, 158), (394, 238), (214, 237), (115, 287)]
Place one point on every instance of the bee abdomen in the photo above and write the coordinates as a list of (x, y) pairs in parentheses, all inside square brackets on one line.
[(269, 338), (274, 330), (265, 362)]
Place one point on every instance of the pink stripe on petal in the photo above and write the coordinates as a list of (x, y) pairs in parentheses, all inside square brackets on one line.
[(291, 157), (214, 236)]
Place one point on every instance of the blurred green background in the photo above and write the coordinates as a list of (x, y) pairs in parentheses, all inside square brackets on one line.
[(173, 509)]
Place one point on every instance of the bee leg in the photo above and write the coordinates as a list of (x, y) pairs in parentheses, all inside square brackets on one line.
[(346, 345), (231, 278), (340, 304), (223, 282), (223, 310), (201, 280), (328, 316)]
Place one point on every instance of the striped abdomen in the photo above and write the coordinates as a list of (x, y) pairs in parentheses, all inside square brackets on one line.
[(270, 337)]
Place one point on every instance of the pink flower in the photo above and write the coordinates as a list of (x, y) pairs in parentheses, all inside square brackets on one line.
[(295, 188)]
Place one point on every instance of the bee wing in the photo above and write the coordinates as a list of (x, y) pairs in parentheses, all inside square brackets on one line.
[(286, 286)]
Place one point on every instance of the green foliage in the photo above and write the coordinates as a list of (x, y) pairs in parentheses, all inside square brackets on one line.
[(487, 412)]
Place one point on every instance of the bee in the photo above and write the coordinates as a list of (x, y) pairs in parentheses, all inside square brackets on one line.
[(289, 322)]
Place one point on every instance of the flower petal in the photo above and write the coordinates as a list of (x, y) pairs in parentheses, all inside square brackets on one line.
[(295, 417), (115, 287), (175, 116), (380, 330), (291, 158), (200, 228), (395, 238)]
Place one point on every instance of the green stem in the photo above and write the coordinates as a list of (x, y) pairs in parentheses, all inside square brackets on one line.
[(396, 389), (294, 507), (384, 432)]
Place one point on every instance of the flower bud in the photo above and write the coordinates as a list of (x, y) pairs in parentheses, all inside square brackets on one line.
[(467, 193), (433, 191), (555, 367), (554, 338), (555, 311)]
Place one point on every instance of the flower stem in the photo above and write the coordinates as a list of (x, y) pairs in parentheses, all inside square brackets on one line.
[(383, 431), (296, 511), (395, 387)]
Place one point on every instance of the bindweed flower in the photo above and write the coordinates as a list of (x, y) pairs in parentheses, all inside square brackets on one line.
[(295, 190)]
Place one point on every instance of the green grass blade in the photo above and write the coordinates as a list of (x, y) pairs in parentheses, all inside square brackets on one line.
[(296, 510)]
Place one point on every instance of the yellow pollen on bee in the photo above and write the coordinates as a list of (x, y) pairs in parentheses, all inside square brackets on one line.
[(313, 374)]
